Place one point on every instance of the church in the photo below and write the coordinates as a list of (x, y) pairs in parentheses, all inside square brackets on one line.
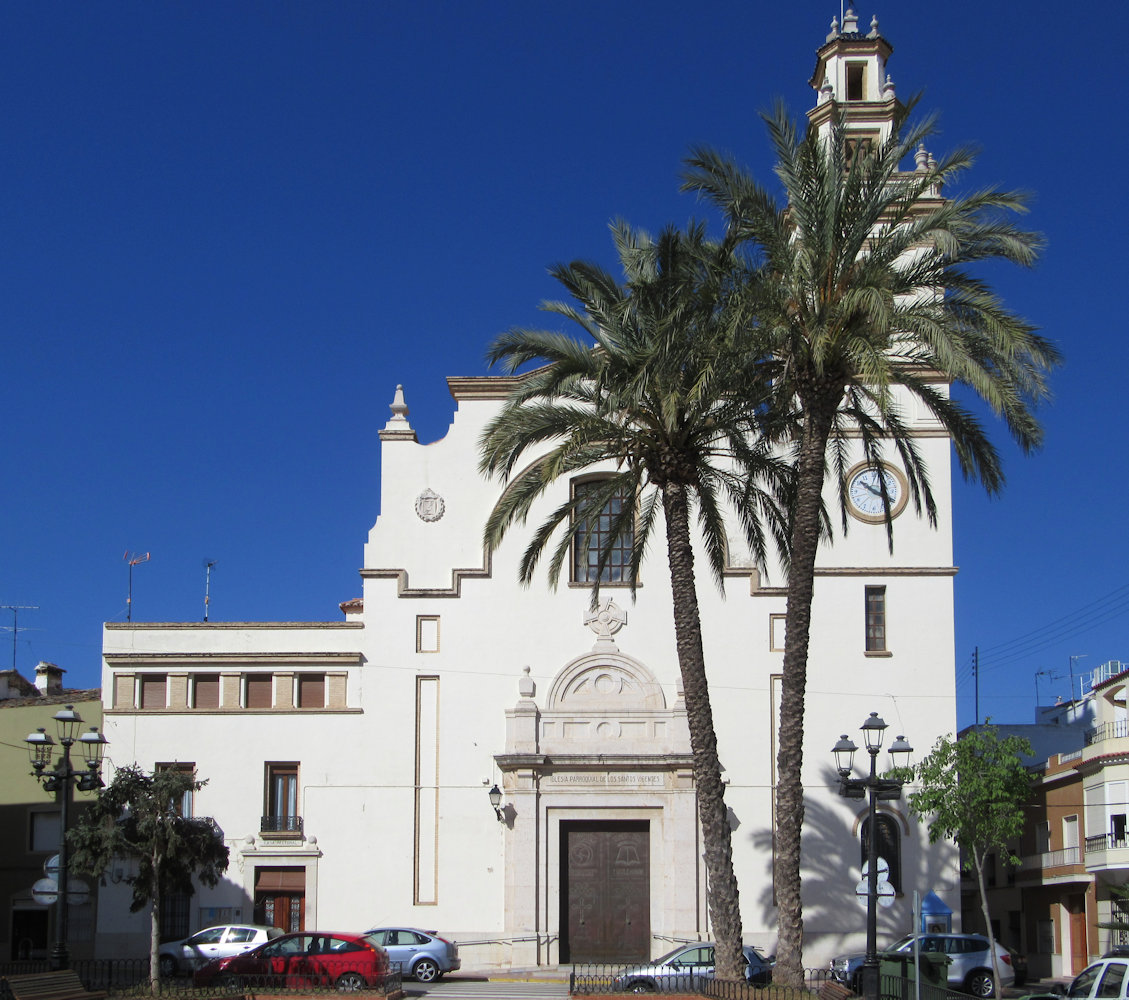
[(510, 765)]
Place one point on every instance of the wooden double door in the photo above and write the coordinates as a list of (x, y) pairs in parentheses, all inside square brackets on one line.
[(605, 881)]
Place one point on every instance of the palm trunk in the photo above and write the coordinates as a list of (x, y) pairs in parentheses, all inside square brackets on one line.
[(724, 904), (789, 969)]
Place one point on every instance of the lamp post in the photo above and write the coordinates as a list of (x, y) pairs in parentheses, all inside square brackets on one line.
[(877, 788), (60, 780)]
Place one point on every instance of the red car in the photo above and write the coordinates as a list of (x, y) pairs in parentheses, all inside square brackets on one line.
[(307, 958)]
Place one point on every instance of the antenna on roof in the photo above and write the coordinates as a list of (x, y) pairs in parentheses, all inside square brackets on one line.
[(209, 565), (16, 609), (133, 558)]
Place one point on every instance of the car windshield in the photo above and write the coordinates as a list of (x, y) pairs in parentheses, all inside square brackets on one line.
[(902, 943), (665, 959)]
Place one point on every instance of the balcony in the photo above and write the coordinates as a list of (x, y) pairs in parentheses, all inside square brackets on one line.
[(1054, 867), (1107, 731), (1107, 852), (281, 826)]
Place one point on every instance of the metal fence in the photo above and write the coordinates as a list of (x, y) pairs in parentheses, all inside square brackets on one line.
[(601, 979), (131, 976)]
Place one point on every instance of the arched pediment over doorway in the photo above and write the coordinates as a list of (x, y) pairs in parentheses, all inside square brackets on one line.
[(605, 680)]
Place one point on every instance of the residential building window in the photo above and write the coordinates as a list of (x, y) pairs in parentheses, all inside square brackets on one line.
[(154, 690), (1117, 829), (281, 812), (175, 915), (889, 847), (876, 619), (206, 691), (311, 690), (990, 870), (44, 833), (259, 691), (597, 530), (1042, 837), (185, 807)]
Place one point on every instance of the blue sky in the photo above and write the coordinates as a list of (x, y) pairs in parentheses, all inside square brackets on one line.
[(230, 229)]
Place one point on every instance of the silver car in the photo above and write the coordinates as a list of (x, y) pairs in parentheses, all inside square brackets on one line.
[(970, 962), (423, 955), (678, 971), (191, 953)]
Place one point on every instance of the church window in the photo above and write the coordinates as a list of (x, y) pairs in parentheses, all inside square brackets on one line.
[(856, 78), (876, 619), (889, 847), (607, 531)]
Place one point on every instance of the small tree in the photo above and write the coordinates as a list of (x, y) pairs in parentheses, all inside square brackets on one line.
[(973, 790), (138, 817)]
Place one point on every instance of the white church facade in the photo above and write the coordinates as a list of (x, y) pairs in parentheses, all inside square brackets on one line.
[(350, 763)]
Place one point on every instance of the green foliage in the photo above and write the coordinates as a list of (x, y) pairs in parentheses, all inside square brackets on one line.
[(660, 386), (973, 791), (136, 817)]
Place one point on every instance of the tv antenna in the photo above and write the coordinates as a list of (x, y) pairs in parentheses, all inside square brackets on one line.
[(134, 559), (209, 565), (16, 609)]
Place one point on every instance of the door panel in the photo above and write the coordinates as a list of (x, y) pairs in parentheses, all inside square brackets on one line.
[(605, 891)]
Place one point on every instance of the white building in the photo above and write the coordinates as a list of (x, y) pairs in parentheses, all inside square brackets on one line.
[(349, 763)]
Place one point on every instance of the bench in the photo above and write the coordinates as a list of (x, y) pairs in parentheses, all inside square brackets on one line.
[(61, 985), (830, 990)]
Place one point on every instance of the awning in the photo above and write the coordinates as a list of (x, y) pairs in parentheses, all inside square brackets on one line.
[(280, 880)]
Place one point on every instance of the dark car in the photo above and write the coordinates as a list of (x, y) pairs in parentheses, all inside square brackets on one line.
[(308, 958), (423, 955), (677, 971)]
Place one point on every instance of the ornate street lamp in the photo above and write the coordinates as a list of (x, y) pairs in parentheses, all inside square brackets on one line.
[(60, 780), (877, 788)]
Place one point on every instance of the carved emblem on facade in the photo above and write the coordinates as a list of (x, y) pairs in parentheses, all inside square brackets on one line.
[(430, 505), (605, 621)]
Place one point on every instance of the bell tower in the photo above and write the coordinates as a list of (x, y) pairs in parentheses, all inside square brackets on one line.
[(851, 82)]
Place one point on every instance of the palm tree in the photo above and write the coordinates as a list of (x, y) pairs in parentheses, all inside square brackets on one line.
[(655, 391), (865, 302)]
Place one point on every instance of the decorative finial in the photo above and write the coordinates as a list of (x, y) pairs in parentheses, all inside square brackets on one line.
[(398, 428), (834, 33), (888, 89), (826, 91), (873, 27), (850, 22), (921, 158), (525, 686)]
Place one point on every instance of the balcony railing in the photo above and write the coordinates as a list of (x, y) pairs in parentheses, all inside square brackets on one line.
[(1107, 731), (1053, 859), (1104, 842), (281, 824)]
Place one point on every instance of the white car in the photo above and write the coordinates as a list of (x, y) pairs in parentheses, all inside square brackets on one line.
[(190, 953)]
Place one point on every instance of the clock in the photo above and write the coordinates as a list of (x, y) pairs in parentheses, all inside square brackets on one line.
[(864, 492)]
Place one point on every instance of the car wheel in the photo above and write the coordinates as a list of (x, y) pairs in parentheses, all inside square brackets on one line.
[(166, 966), (425, 971), (640, 986), (350, 982), (979, 984)]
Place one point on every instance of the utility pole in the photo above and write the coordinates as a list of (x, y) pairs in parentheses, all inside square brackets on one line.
[(16, 609), (209, 565), (976, 678)]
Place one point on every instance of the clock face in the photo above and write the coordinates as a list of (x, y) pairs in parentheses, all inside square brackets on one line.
[(864, 492)]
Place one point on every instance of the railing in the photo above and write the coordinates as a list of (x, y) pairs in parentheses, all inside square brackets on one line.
[(1107, 731), (344, 980), (594, 979), (1104, 842), (112, 975), (1054, 859), (281, 824)]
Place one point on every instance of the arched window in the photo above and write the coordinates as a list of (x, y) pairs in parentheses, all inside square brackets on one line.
[(889, 847)]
